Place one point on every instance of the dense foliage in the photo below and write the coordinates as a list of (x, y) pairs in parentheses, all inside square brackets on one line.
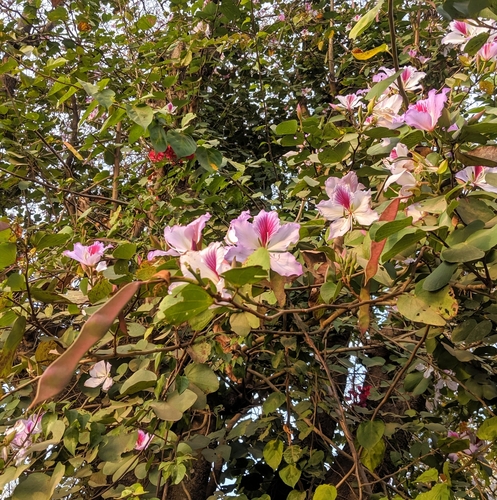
[(248, 250)]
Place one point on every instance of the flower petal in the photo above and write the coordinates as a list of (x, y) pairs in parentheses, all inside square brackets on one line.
[(285, 264), (286, 235)]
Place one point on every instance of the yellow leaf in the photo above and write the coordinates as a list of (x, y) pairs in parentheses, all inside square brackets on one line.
[(363, 56), (320, 45), (71, 148)]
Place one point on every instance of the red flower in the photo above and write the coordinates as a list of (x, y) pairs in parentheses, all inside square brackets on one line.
[(155, 156), (170, 154)]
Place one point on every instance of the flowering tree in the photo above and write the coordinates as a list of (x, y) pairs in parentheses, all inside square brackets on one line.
[(248, 250)]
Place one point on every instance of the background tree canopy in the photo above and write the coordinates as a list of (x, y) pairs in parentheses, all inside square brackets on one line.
[(248, 250)]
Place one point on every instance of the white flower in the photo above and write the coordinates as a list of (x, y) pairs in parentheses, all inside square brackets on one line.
[(100, 375)]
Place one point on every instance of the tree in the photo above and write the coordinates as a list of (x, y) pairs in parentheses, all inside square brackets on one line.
[(248, 250)]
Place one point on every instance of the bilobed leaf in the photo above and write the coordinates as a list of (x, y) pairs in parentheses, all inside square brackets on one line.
[(146, 22), (115, 446), (325, 492), (210, 159), (47, 297), (203, 377), (105, 97), (370, 432), (71, 440), (440, 491), (58, 375), (273, 402), (416, 383), (488, 430), (182, 401), (397, 243), (8, 351), (290, 475), (141, 114), (365, 21), (328, 291), (193, 300), (287, 128), (440, 277), (35, 486), (182, 144), (273, 453), (245, 275), (485, 239)]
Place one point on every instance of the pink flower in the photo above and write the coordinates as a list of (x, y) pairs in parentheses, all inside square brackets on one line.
[(488, 52), (474, 444), (208, 263), (348, 203), (143, 440), (89, 255), (23, 432), (400, 165), (475, 176), (385, 111), (265, 231), (170, 108), (461, 32), (281, 17), (182, 239), (410, 77), (424, 114), (348, 102), (100, 375)]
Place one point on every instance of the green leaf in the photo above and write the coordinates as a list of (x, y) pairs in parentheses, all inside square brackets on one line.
[(462, 252), (440, 277), (210, 159), (105, 97), (292, 454), (115, 446), (373, 457), (8, 254), (471, 209), (52, 240), (203, 377), (193, 300), (259, 258), (182, 401), (100, 291), (287, 128), (273, 453), (273, 402), (241, 276), (71, 437), (325, 492), (428, 476), (365, 21), (386, 229), (158, 136), (462, 330), (141, 114), (370, 432), (125, 251), (242, 323), (397, 243), (47, 297), (470, 331), (440, 491), (380, 88), (146, 22), (140, 380), (476, 43), (415, 309), (290, 475), (485, 239), (182, 144), (416, 383), (329, 291), (488, 430), (35, 486), (333, 155), (296, 495), (8, 351), (165, 411)]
